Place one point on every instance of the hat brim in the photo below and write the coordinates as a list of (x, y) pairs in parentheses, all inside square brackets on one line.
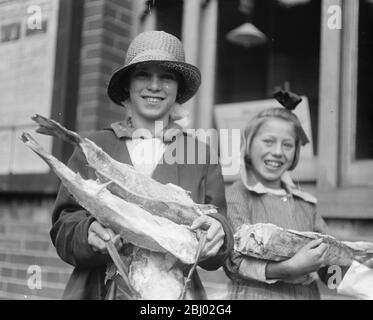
[(191, 80)]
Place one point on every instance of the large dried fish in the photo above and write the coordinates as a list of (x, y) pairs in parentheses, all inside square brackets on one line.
[(155, 276), (133, 223), (270, 242), (165, 200)]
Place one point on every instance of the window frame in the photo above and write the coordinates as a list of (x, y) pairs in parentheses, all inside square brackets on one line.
[(64, 99)]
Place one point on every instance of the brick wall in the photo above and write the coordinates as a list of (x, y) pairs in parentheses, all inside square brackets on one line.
[(106, 35), (25, 220), (24, 243)]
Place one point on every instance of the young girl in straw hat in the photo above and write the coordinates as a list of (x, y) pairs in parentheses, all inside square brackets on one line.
[(270, 147), (151, 85)]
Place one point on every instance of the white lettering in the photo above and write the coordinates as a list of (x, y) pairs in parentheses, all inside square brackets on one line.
[(34, 281), (335, 20), (35, 20)]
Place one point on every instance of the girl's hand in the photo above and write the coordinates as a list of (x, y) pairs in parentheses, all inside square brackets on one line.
[(369, 263), (214, 237), (303, 280), (98, 236), (308, 259)]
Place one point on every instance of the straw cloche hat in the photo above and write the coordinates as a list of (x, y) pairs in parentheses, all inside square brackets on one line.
[(163, 49)]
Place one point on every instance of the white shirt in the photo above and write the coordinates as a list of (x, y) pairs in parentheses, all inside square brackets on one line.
[(145, 153)]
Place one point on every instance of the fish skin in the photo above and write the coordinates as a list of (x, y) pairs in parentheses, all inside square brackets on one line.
[(174, 203), (155, 276), (168, 209), (133, 223), (270, 242)]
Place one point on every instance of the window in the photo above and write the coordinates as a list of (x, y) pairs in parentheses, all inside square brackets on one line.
[(356, 152), (290, 54), (169, 16), (364, 116)]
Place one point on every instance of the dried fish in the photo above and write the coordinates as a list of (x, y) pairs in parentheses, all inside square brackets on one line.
[(270, 242), (165, 200), (133, 223)]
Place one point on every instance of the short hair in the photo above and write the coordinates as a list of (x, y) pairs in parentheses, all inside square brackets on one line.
[(253, 126)]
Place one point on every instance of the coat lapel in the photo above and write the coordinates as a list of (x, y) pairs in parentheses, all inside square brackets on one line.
[(163, 173), (166, 173), (120, 152)]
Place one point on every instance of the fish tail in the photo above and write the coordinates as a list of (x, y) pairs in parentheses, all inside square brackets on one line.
[(52, 128)]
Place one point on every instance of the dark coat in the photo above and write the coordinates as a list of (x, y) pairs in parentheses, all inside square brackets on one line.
[(70, 222)]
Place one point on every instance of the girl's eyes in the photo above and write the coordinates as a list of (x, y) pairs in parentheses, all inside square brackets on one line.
[(163, 76), (288, 145), (268, 141), (167, 76), (141, 74)]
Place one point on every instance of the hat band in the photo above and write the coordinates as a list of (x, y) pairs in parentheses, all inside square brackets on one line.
[(153, 55)]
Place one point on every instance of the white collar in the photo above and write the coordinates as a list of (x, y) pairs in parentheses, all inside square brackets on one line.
[(253, 185)]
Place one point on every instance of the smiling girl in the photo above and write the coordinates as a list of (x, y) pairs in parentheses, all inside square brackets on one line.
[(154, 81), (270, 148)]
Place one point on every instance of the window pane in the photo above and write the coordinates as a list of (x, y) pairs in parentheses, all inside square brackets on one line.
[(241, 72), (364, 123), (291, 53), (169, 16)]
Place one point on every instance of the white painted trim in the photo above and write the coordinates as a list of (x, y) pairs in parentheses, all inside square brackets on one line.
[(353, 172), (190, 38), (330, 60), (208, 43), (349, 88)]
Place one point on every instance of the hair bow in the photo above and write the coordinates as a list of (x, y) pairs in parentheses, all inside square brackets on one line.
[(287, 98), (290, 100)]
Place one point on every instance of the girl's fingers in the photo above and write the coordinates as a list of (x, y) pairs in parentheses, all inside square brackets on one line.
[(369, 263), (214, 243), (201, 222), (97, 243), (111, 233), (213, 231), (117, 241), (100, 231), (212, 248), (211, 211), (322, 248), (99, 235), (314, 243)]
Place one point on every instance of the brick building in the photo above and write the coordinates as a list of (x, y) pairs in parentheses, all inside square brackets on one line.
[(81, 42)]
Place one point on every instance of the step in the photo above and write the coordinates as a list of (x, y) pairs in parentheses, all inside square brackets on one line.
[(20, 287), (31, 257), (28, 242), (48, 274), (18, 227), (4, 295)]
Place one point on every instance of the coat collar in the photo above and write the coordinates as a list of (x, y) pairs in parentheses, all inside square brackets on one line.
[(163, 172), (125, 129)]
